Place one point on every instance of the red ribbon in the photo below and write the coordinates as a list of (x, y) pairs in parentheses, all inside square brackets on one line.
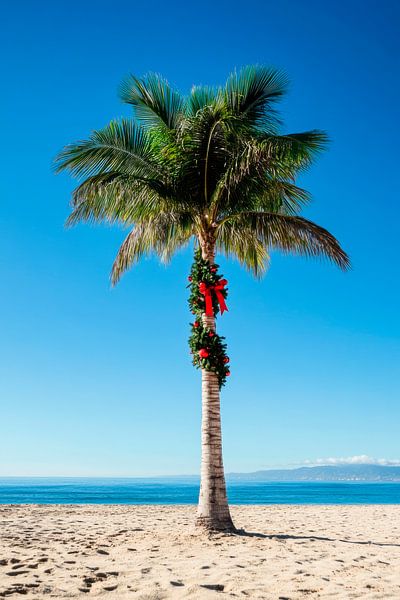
[(217, 289)]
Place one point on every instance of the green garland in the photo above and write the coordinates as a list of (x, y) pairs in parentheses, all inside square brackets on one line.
[(206, 346)]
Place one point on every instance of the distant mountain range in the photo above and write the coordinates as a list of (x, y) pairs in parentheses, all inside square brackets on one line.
[(323, 473)]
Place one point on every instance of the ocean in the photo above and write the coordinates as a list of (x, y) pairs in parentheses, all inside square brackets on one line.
[(43, 490)]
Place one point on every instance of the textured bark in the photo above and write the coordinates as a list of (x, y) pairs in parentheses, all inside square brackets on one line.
[(213, 510)]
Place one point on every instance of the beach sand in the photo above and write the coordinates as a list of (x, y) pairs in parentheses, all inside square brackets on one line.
[(153, 552)]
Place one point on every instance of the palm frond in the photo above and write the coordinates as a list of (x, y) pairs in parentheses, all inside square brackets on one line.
[(135, 245), (255, 178), (122, 146), (295, 149), (163, 235), (200, 97), (250, 94), (240, 242), (281, 197), (261, 194), (205, 153), (293, 235), (154, 100), (274, 156), (117, 200)]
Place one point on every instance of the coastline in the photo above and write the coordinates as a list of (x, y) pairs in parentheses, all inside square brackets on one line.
[(175, 491), (153, 552)]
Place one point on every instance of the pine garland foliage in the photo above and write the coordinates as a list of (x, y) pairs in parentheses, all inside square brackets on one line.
[(206, 346)]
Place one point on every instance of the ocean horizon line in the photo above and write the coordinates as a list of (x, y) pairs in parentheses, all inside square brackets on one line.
[(318, 473)]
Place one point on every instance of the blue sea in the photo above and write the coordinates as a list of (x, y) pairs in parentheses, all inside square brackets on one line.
[(40, 490)]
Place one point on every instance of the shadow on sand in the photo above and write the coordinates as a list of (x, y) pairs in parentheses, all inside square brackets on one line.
[(281, 536)]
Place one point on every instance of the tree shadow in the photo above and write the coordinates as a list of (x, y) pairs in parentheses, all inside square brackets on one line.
[(281, 536)]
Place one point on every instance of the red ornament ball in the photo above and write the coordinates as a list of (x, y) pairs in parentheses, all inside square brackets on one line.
[(213, 269), (196, 324), (211, 334), (227, 373), (226, 359), (203, 353), (190, 278)]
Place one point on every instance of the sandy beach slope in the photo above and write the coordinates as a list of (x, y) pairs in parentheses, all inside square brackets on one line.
[(153, 552)]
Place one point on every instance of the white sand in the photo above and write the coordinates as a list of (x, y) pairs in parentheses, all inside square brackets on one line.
[(153, 552)]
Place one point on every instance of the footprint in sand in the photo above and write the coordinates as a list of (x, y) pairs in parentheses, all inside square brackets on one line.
[(110, 588), (215, 587)]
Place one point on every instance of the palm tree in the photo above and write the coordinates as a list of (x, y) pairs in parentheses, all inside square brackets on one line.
[(211, 167)]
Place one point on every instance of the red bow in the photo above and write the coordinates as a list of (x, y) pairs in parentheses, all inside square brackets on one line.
[(217, 288)]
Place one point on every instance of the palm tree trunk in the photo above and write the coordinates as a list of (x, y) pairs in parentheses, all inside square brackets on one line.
[(213, 510)]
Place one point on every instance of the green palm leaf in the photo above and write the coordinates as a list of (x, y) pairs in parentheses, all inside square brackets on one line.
[(154, 100), (122, 147), (250, 94), (293, 235), (115, 199), (163, 235), (238, 240), (201, 97)]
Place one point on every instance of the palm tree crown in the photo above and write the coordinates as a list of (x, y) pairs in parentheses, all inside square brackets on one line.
[(212, 165)]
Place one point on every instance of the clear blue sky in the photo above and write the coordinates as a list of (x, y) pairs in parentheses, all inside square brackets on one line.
[(95, 381)]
